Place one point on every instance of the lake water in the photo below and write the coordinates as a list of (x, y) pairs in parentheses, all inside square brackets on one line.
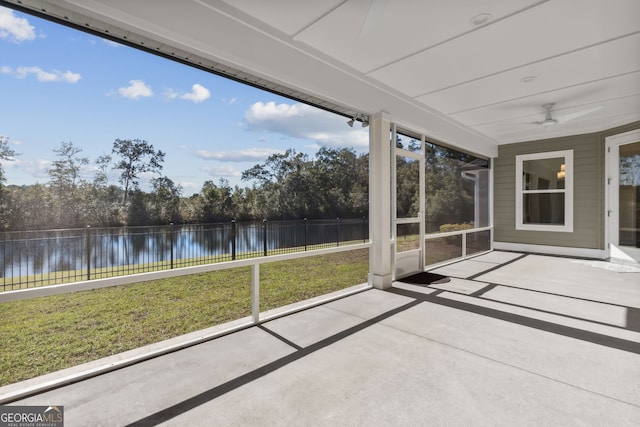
[(44, 252)]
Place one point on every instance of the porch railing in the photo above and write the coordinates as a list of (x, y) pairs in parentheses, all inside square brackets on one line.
[(40, 258)]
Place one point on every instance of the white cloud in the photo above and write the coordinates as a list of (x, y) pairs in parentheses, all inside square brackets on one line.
[(248, 155), (305, 122), (171, 94), (198, 93), (42, 75), (135, 90), (230, 101), (222, 171), (28, 171), (13, 28), (38, 168), (313, 146), (190, 186)]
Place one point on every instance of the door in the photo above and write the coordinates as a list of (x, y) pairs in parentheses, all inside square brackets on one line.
[(623, 185), (407, 206)]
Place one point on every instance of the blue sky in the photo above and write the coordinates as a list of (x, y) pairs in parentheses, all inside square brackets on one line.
[(58, 84)]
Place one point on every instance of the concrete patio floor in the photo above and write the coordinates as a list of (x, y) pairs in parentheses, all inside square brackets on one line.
[(512, 339)]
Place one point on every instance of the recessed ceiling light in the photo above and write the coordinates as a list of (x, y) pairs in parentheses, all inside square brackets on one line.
[(480, 19), (529, 79)]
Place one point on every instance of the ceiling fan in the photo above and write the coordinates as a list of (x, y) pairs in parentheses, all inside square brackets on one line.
[(550, 121)]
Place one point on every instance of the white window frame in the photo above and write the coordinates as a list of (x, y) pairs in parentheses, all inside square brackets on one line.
[(568, 191)]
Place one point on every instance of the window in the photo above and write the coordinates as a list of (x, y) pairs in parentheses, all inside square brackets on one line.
[(544, 191)]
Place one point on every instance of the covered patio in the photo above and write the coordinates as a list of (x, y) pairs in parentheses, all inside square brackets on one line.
[(545, 92), (512, 338)]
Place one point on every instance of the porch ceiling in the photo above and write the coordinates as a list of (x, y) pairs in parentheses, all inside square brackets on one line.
[(434, 66)]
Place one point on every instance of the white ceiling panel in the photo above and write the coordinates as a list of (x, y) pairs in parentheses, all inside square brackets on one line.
[(575, 96), (539, 33), (613, 113), (285, 15), (577, 68), (367, 34)]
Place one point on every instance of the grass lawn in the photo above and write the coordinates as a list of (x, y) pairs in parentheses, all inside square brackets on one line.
[(47, 334)]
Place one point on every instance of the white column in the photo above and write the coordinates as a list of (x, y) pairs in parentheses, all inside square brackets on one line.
[(380, 201), (255, 293)]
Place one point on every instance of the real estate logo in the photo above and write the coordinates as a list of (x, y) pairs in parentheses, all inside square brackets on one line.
[(31, 416)]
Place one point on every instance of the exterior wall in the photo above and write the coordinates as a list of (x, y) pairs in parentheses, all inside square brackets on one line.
[(588, 196), (588, 193)]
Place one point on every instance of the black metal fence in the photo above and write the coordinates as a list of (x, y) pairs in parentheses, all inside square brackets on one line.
[(39, 258)]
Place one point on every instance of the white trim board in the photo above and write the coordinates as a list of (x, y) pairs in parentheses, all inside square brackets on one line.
[(551, 250)]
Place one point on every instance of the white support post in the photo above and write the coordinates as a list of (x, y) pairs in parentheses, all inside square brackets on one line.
[(380, 201), (423, 204), (464, 245), (491, 184), (255, 293)]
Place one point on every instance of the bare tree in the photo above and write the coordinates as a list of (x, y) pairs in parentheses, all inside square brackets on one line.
[(65, 171), (67, 205)]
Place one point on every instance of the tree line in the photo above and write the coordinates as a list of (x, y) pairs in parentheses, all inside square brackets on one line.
[(449, 196), (334, 183)]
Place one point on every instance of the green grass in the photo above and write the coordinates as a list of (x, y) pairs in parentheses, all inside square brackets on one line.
[(47, 334), (310, 277)]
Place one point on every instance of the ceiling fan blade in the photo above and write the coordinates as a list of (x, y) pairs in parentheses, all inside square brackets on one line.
[(373, 18), (546, 122), (571, 116), (548, 119)]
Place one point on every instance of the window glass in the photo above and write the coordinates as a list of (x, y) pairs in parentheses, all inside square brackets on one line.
[(407, 142), (544, 199), (543, 208), (543, 174), (629, 195)]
